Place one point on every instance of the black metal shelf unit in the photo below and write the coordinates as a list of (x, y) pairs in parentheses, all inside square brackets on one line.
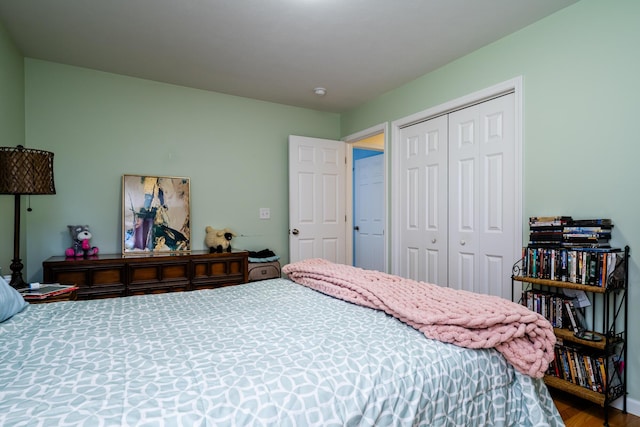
[(591, 368)]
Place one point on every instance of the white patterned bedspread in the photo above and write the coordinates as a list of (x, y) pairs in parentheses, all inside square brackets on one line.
[(268, 353)]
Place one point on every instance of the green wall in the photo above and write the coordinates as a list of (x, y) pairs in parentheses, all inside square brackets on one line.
[(581, 78), (11, 133), (101, 126)]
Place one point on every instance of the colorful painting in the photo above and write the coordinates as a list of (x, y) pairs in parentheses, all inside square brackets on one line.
[(155, 214)]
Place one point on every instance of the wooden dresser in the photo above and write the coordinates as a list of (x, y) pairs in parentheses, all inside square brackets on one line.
[(115, 275)]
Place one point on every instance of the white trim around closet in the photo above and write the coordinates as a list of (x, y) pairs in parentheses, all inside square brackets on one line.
[(510, 86)]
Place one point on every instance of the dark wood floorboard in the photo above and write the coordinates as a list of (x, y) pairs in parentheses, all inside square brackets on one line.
[(579, 413)]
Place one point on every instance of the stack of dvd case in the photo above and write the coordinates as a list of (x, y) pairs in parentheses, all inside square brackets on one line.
[(589, 233), (547, 231)]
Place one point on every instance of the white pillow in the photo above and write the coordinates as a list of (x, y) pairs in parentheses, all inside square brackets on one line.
[(11, 302)]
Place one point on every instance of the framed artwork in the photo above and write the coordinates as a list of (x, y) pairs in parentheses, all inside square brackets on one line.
[(155, 214)]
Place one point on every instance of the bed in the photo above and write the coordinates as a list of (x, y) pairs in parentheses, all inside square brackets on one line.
[(269, 353)]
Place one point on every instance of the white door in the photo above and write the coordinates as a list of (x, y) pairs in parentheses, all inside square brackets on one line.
[(458, 198), (481, 197), (369, 212), (317, 214), (423, 175)]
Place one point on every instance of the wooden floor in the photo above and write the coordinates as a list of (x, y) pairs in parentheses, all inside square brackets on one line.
[(579, 413)]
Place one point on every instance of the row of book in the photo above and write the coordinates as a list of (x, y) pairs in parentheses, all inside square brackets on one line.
[(557, 308), (587, 266), (564, 231), (586, 370)]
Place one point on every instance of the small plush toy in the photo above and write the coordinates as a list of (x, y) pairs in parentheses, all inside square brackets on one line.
[(80, 236), (218, 240)]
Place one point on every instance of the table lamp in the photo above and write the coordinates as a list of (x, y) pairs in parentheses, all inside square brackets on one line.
[(24, 171)]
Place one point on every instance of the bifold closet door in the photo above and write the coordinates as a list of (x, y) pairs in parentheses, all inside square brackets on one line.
[(457, 211), (481, 197), (424, 228)]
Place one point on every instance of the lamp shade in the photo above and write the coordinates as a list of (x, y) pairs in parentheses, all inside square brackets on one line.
[(26, 171)]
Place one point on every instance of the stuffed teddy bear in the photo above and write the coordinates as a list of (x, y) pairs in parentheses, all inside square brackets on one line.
[(218, 240), (80, 236)]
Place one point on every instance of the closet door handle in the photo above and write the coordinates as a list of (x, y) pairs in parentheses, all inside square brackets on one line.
[(462, 242), (295, 231)]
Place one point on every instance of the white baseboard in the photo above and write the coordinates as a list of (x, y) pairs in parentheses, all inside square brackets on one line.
[(633, 406)]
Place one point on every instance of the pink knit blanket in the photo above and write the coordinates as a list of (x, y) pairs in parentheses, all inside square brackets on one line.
[(463, 318)]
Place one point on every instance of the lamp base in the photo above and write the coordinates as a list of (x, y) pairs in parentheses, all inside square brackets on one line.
[(16, 277)]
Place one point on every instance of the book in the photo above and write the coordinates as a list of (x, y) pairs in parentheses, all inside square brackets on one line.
[(46, 291), (546, 236), (573, 317), (549, 220), (590, 377), (592, 222), (588, 230)]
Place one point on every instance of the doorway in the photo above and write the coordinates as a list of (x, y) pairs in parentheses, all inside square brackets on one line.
[(367, 199), (368, 209)]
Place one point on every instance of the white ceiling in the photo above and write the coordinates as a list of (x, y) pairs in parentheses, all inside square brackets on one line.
[(272, 50)]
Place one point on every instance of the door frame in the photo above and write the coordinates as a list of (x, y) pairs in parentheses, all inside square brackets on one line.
[(510, 86), (351, 141)]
